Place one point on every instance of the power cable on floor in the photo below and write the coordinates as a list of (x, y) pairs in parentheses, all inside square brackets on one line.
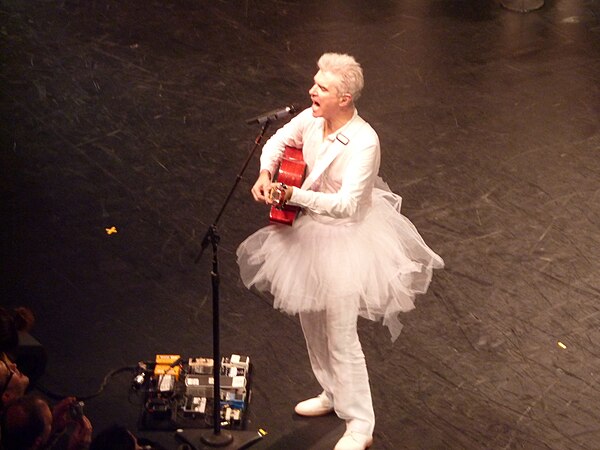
[(109, 375)]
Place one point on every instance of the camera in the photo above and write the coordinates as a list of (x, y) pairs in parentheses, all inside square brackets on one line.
[(76, 410)]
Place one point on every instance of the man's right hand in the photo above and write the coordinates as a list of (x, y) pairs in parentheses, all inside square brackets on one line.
[(260, 190), (81, 436)]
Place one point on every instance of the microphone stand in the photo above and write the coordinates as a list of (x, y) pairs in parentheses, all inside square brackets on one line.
[(226, 439)]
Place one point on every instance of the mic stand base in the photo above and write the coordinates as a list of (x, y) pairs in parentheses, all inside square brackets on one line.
[(220, 439), (225, 440)]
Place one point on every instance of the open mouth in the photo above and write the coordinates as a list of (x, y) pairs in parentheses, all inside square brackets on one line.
[(316, 108)]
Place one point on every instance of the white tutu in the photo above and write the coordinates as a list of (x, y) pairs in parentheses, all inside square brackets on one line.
[(378, 264)]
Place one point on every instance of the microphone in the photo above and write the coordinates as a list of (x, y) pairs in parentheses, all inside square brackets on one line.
[(274, 115)]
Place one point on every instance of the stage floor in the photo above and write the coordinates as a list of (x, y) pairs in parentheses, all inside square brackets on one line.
[(133, 114)]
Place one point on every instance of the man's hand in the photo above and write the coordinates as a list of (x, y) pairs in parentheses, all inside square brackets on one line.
[(81, 437), (60, 414), (260, 190)]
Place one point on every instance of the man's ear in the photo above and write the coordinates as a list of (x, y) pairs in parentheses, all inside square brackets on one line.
[(8, 397), (345, 99)]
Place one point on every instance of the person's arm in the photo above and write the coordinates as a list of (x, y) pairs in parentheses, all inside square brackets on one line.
[(288, 135), (60, 414), (357, 181), (262, 186), (75, 431), (81, 436)]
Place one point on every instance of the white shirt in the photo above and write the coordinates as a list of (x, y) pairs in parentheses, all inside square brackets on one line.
[(344, 189)]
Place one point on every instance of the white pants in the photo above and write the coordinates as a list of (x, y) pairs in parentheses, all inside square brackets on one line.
[(339, 365)]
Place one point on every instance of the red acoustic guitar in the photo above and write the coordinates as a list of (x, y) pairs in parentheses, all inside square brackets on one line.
[(291, 172)]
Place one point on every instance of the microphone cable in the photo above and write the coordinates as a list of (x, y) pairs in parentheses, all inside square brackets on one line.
[(53, 395)]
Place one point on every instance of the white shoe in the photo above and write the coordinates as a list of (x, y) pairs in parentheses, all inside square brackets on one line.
[(313, 407), (351, 440)]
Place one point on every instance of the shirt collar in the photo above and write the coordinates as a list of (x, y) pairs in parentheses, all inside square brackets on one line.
[(331, 137)]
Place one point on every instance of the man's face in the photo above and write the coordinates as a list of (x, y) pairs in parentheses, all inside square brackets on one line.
[(13, 383), (325, 96)]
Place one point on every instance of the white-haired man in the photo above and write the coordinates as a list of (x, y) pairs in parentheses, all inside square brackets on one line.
[(349, 253)]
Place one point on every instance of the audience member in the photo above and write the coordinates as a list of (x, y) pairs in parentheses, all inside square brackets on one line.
[(118, 437), (12, 322), (18, 344), (13, 383), (115, 437), (28, 423), (9, 333)]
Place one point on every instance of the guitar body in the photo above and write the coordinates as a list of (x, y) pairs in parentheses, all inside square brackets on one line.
[(291, 172)]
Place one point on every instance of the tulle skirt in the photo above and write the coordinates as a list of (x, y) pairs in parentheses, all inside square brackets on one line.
[(376, 265)]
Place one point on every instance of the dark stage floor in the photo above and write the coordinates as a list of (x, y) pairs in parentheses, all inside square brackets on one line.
[(132, 115)]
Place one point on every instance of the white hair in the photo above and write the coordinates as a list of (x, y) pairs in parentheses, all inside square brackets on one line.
[(347, 70)]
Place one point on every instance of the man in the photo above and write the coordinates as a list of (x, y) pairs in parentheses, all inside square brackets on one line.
[(118, 437), (115, 437), (18, 345), (13, 383), (28, 423), (351, 252)]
